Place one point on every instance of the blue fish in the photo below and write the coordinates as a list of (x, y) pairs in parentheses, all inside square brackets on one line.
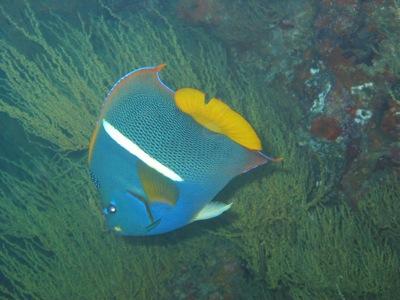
[(159, 157)]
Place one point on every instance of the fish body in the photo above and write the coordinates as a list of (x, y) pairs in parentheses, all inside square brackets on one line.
[(156, 166)]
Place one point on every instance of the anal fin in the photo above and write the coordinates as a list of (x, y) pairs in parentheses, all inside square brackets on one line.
[(211, 210)]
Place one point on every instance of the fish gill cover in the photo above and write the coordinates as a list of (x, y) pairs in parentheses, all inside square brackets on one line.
[(291, 232)]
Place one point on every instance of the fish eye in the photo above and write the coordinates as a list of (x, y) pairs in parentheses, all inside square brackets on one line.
[(111, 209)]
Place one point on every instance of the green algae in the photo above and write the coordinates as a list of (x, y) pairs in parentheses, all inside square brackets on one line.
[(292, 244), (324, 253), (380, 206), (52, 225), (297, 241), (53, 242), (55, 85)]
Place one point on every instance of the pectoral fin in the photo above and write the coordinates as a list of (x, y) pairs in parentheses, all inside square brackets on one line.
[(153, 223), (156, 186), (211, 210)]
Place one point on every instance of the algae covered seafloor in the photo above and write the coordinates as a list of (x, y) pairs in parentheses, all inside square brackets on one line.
[(291, 233)]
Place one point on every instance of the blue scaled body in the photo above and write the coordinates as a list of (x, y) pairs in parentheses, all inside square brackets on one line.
[(156, 168)]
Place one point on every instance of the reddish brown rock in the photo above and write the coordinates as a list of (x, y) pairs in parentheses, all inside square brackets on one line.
[(326, 127), (206, 12), (391, 120)]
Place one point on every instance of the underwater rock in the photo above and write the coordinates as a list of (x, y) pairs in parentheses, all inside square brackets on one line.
[(389, 160), (351, 34), (338, 16), (346, 84), (269, 37), (326, 127), (353, 149), (203, 12), (362, 116), (394, 155), (219, 277), (390, 124)]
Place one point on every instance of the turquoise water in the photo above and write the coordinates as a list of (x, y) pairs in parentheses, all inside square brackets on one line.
[(318, 81)]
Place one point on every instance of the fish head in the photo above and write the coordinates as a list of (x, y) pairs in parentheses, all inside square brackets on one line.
[(125, 215)]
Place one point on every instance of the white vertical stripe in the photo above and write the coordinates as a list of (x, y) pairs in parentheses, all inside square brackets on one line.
[(134, 149)]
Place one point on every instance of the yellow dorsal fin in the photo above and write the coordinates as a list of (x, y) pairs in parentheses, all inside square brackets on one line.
[(156, 186), (217, 117)]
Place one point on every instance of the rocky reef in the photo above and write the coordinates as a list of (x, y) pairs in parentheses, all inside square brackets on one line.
[(319, 80)]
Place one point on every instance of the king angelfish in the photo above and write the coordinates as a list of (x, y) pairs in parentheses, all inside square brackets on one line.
[(159, 157)]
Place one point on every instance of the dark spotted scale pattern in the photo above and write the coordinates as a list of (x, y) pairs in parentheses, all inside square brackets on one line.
[(145, 113)]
